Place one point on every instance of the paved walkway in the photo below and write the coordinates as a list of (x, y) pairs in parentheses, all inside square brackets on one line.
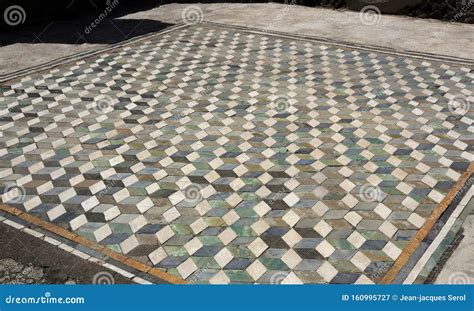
[(227, 155)]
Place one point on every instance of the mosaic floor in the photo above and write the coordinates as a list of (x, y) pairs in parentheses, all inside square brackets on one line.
[(222, 155)]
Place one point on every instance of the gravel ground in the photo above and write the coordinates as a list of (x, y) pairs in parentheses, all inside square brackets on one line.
[(14, 272), (25, 259)]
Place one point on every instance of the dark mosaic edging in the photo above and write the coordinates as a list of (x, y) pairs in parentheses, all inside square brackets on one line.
[(348, 44), (428, 240), (86, 54)]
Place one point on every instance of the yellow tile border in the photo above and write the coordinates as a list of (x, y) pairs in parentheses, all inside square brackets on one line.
[(123, 259), (408, 251)]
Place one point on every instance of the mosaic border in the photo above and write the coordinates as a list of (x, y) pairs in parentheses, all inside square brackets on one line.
[(441, 254), (347, 44), (79, 240), (415, 242)]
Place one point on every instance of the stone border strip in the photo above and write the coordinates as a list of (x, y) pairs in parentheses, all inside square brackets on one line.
[(65, 247), (423, 232), (127, 261), (84, 55), (440, 237), (353, 45)]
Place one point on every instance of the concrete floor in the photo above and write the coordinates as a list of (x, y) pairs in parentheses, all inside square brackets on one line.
[(49, 41), (39, 44)]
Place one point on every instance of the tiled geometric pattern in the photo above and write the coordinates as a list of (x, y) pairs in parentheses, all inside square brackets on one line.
[(222, 156)]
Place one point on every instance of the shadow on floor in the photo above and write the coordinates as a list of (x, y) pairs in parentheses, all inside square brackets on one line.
[(75, 21), (98, 25)]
